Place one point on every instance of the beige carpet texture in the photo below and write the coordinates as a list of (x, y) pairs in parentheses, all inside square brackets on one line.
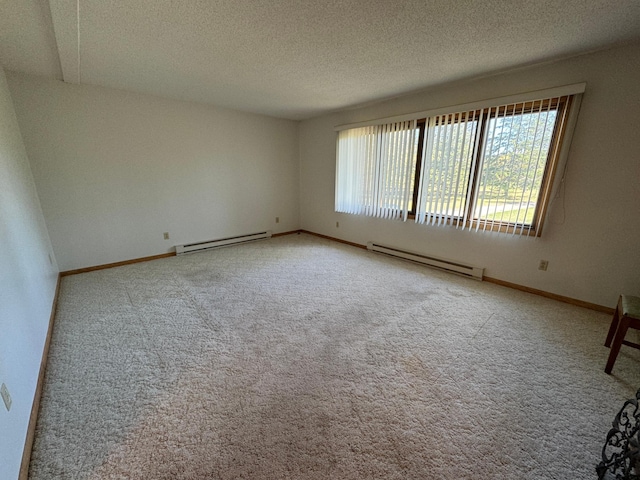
[(302, 358)]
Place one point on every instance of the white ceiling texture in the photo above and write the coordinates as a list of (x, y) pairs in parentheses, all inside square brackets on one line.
[(298, 58)]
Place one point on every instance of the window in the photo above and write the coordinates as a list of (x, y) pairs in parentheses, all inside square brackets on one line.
[(488, 168), (377, 169)]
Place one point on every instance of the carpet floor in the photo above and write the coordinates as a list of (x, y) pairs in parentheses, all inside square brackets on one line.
[(301, 358)]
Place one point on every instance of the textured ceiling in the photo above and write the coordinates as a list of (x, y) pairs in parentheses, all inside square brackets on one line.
[(298, 58)]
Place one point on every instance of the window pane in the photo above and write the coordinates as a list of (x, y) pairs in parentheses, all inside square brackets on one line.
[(513, 162), (397, 164), (374, 169), (447, 158)]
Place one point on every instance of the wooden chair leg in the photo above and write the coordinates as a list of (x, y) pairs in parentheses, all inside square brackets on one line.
[(617, 343), (614, 326)]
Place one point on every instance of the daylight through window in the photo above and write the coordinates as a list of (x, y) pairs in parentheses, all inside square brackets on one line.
[(484, 169)]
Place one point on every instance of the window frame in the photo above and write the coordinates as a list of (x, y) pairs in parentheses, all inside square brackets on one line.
[(561, 104)]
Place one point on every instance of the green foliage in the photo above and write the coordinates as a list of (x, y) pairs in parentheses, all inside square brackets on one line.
[(515, 152), (514, 155)]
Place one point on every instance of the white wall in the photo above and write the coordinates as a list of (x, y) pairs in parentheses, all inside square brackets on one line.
[(27, 285), (115, 170), (591, 237)]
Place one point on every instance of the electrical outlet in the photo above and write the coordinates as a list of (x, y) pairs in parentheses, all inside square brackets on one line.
[(543, 265), (6, 396), (277, 219), (166, 235), (337, 224)]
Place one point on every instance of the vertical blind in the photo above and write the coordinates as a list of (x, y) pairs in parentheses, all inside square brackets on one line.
[(484, 169), (517, 145), (375, 172), (447, 159)]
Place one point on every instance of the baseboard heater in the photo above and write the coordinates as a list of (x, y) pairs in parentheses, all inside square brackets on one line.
[(221, 242), (439, 263)]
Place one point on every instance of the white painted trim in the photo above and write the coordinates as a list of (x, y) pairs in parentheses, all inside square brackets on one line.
[(572, 89), (65, 16)]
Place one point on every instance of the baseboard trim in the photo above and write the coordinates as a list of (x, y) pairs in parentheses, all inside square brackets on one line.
[(327, 237), (497, 281), (35, 407), (503, 283), (142, 259), (554, 296), (285, 233), (117, 264)]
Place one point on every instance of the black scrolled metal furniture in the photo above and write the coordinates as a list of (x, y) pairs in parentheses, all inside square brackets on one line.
[(621, 451)]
